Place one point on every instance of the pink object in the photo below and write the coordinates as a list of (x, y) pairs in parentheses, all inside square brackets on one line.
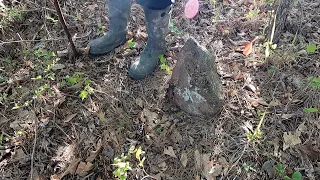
[(191, 9)]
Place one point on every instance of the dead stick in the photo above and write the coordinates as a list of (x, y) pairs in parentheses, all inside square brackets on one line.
[(63, 22)]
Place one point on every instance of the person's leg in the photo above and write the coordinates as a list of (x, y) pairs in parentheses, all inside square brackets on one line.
[(119, 12), (157, 21)]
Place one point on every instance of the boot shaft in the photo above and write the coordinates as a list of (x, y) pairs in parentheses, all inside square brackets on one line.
[(119, 14)]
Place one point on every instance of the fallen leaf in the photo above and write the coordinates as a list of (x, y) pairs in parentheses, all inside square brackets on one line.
[(184, 159), (275, 103), (170, 152), (290, 139), (84, 168), (58, 67), (163, 166), (301, 128), (93, 154), (70, 117), (18, 155), (139, 102), (216, 170), (71, 168), (247, 49), (198, 160)]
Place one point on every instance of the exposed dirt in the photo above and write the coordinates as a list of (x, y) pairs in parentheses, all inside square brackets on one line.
[(59, 135)]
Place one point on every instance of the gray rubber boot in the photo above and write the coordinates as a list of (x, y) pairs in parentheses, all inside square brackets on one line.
[(119, 12), (157, 22)]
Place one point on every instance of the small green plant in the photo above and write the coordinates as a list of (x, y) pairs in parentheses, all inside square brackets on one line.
[(41, 90), (295, 176), (131, 43), (280, 169), (123, 162), (314, 82), (101, 29), (312, 48), (257, 134), (164, 64), (311, 110), (77, 78), (123, 166), (252, 14), (86, 92)]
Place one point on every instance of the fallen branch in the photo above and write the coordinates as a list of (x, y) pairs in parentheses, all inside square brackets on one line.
[(63, 23)]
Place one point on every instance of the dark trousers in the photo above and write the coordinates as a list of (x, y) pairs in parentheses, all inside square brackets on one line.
[(155, 4)]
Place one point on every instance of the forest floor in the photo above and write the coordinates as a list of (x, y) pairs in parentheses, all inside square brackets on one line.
[(269, 127)]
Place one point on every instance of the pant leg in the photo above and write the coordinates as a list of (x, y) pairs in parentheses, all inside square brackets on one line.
[(155, 4)]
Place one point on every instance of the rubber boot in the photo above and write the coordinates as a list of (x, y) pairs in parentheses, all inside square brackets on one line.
[(119, 13), (157, 22)]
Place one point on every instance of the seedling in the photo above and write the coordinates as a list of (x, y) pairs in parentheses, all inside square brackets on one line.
[(123, 162), (252, 13), (164, 64), (131, 43), (257, 134)]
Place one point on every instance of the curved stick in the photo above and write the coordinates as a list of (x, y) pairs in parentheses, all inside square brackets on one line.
[(63, 23)]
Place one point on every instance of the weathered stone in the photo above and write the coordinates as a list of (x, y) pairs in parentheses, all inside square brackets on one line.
[(195, 83)]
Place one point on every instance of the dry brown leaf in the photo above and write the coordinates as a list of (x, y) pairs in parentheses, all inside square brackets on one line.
[(139, 102), (290, 139), (71, 169), (163, 166), (70, 117), (93, 154), (58, 67), (197, 158), (18, 155), (169, 151), (184, 159), (84, 168)]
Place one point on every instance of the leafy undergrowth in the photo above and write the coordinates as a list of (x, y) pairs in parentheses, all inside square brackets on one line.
[(88, 119)]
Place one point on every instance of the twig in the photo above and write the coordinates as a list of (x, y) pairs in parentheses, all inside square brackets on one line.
[(63, 23)]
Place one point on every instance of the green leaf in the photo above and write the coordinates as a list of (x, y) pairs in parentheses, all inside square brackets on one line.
[(311, 48), (311, 110), (142, 161), (163, 67), (72, 80), (162, 59), (83, 94), (286, 178), (131, 44), (272, 69), (280, 169), (1, 138), (296, 176)]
